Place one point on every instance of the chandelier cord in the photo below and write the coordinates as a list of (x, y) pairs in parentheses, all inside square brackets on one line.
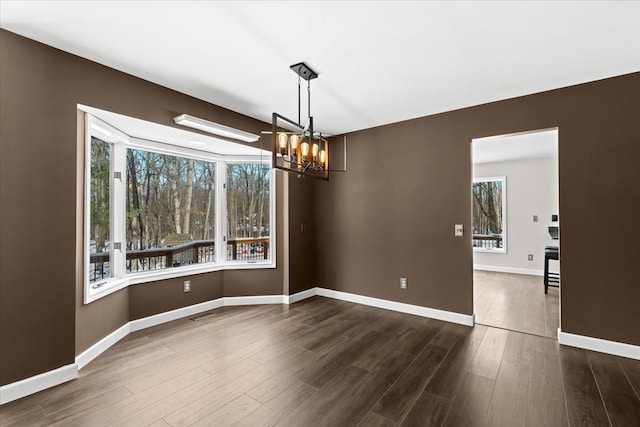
[(309, 100), (299, 100)]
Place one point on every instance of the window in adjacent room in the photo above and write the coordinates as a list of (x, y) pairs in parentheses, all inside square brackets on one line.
[(489, 214)]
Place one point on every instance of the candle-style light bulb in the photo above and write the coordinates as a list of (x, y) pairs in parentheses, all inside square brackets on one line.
[(323, 159), (314, 152), (282, 142), (304, 149), (294, 144)]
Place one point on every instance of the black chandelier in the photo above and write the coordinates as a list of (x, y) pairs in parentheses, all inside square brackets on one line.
[(296, 147)]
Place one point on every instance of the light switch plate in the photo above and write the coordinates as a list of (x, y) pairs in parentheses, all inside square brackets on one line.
[(459, 230)]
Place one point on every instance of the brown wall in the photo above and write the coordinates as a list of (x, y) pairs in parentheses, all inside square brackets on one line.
[(43, 325), (392, 213), (147, 299), (301, 243)]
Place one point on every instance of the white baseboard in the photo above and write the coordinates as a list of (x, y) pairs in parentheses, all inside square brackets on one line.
[(256, 300), (179, 313), (22, 388), (513, 270), (433, 313), (101, 346), (600, 345), (300, 296)]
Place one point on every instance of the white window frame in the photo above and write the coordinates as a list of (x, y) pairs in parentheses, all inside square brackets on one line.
[(223, 205), (117, 260), (503, 179)]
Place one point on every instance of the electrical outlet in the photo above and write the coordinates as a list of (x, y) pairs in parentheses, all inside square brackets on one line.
[(187, 285), (530, 257), (403, 283), (458, 230)]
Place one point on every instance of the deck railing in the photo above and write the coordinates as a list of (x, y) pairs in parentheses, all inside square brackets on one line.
[(193, 252), (487, 241), (248, 249)]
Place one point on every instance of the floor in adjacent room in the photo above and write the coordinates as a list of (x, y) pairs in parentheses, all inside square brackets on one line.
[(516, 302), (324, 362)]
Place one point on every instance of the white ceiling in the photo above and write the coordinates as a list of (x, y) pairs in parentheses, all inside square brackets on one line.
[(379, 62), (530, 145)]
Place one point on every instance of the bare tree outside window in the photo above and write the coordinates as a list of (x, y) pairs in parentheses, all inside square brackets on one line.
[(99, 210), (170, 203), (248, 217), (489, 195)]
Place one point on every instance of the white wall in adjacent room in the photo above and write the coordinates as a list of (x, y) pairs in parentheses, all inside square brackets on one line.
[(532, 189)]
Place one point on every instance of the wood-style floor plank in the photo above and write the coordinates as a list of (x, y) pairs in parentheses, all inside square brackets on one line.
[(374, 420), (230, 413), (136, 403), (620, 400), (509, 402), (402, 395), (631, 369), (584, 404), (470, 405), (516, 302), (335, 362), (312, 411), (323, 362), (546, 405), (92, 403), (364, 394), (447, 380), (14, 413), (429, 410), (280, 404), (487, 359)]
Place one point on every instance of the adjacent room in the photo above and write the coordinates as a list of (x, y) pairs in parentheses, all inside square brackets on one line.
[(319, 213), (515, 226)]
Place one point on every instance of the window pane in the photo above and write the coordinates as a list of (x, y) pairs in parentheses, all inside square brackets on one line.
[(170, 211), (248, 212), (487, 214), (99, 217)]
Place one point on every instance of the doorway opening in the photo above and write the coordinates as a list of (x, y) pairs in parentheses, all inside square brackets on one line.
[(515, 223)]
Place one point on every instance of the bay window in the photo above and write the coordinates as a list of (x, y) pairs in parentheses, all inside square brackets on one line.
[(155, 210)]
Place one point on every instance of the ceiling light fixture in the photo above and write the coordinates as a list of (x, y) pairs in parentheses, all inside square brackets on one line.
[(215, 128), (300, 150)]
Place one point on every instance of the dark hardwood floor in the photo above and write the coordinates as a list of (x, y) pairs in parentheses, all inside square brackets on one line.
[(324, 362), (516, 302)]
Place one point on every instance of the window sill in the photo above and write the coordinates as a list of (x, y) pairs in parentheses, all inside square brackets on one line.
[(111, 286), (490, 251), (114, 285)]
